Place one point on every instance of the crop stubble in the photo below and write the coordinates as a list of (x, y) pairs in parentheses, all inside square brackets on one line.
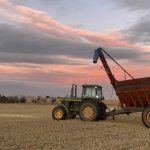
[(30, 126)]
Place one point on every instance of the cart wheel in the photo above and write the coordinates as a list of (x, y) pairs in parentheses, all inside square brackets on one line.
[(146, 117), (59, 113)]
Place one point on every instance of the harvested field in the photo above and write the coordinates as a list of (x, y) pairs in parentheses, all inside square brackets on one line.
[(30, 126)]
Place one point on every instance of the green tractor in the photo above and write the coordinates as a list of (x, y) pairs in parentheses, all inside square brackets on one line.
[(89, 106)]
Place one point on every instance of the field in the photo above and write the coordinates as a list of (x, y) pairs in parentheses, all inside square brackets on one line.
[(30, 126)]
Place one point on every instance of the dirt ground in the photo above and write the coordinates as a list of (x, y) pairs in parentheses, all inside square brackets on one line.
[(30, 126)]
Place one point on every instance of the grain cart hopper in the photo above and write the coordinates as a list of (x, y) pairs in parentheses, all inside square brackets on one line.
[(133, 94), (89, 106)]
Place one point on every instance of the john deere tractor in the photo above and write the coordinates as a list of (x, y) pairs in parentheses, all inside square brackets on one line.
[(89, 106)]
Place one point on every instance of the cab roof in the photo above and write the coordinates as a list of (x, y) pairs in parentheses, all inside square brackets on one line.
[(91, 85)]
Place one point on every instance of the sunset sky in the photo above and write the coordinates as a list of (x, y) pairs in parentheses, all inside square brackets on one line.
[(46, 45)]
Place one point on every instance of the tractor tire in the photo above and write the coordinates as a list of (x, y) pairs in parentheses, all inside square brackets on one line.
[(89, 111), (102, 111), (146, 116), (59, 113)]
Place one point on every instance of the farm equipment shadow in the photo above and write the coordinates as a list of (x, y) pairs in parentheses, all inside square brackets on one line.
[(122, 119)]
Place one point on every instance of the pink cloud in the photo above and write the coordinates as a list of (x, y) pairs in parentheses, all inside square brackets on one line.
[(60, 74), (66, 74), (40, 20)]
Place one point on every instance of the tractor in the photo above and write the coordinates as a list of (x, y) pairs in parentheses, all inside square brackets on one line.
[(89, 106)]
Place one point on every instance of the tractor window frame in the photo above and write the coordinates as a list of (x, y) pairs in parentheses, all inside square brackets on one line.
[(90, 92), (100, 92)]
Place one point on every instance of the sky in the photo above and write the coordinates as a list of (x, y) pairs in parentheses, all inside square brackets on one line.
[(46, 45)]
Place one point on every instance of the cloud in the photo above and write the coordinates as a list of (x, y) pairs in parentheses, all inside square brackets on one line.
[(39, 20), (23, 45), (50, 74), (36, 39), (19, 44), (133, 5), (139, 32), (30, 88)]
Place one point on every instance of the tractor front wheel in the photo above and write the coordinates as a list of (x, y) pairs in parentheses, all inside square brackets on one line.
[(59, 113), (146, 117), (89, 111)]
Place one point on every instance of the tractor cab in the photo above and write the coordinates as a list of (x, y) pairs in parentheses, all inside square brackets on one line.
[(92, 91)]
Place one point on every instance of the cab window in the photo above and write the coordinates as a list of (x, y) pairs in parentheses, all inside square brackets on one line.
[(99, 92), (90, 92)]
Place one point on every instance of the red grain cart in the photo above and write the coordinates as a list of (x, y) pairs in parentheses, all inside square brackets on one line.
[(134, 94)]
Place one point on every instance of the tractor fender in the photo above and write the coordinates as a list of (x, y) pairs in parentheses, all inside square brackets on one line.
[(66, 109)]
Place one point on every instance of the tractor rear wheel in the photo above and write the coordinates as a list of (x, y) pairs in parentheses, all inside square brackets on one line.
[(89, 111), (59, 113), (146, 117)]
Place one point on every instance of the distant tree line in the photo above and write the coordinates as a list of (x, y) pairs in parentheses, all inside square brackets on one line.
[(47, 99), (24, 99), (12, 99)]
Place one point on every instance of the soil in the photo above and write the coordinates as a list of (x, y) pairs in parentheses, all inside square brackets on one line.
[(30, 126)]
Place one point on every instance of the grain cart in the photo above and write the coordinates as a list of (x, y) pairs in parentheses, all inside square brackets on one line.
[(89, 107), (133, 94)]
